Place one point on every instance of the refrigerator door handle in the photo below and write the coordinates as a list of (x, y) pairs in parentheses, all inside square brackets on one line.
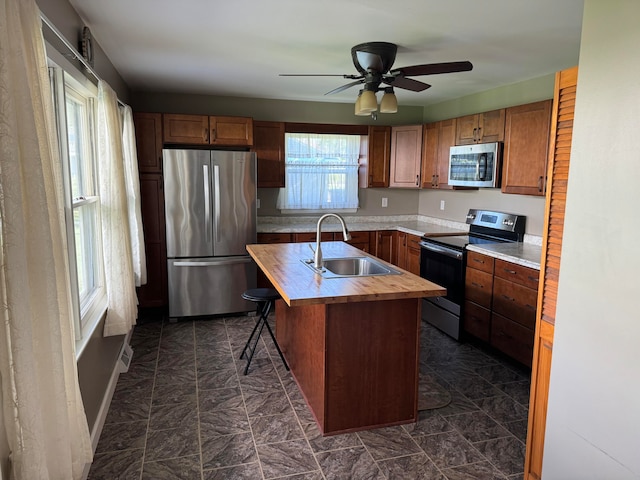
[(213, 262), (207, 204), (216, 207)]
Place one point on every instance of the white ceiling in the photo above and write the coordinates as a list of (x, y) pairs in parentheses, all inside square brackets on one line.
[(238, 47)]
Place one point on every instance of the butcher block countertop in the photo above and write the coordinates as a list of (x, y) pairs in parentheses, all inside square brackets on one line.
[(299, 285)]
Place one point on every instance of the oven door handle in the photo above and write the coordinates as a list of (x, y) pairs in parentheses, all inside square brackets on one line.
[(449, 252)]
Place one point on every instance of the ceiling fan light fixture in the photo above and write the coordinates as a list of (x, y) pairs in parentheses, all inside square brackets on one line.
[(389, 102), (358, 109), (368, 102)]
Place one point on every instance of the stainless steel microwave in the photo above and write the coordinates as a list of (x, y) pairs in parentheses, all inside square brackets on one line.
[(476, 165)]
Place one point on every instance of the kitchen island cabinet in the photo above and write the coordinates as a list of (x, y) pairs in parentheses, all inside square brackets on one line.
[(351, 343)]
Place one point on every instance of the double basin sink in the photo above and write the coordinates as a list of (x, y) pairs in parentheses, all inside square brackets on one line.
[(351, 267)]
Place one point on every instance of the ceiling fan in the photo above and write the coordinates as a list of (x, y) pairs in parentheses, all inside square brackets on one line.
[(374, 61)]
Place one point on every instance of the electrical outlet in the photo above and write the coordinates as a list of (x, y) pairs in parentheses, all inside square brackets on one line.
[(257, 203), (441, 204), (385, 201)]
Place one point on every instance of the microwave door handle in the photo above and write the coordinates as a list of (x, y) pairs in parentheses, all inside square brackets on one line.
[(483, 161)]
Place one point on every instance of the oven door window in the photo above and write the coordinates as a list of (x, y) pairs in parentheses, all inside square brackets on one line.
[(444, 270)]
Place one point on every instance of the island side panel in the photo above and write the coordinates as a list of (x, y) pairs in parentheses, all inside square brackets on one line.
[(372, 364), (301, 335)]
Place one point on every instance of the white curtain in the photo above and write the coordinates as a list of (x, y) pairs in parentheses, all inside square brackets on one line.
[(116, 238), (321, 172), (132, 182), (42, 409)]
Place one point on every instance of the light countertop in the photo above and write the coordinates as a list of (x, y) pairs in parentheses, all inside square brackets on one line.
[(525, 254), (412, 224)]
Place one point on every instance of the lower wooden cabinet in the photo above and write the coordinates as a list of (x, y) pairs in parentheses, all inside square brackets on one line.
[(408, 254), (384, 245), (500, 305)]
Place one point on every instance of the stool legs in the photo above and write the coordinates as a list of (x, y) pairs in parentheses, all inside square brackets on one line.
[(250, 347)]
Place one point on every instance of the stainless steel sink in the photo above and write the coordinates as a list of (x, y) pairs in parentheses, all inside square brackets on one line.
[(351, 267)]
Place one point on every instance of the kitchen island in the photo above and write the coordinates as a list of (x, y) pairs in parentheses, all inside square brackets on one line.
[(352, 343)]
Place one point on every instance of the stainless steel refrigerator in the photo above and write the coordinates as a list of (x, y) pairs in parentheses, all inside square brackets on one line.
[(210, 208)]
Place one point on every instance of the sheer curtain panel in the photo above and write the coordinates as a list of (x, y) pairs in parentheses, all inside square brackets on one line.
[(116, 238), (42, 410), (130, 158)]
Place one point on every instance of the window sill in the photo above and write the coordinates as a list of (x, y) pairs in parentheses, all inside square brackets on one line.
[(94, 317)]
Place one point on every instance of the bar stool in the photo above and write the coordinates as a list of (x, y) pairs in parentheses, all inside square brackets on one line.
[(265, 298)]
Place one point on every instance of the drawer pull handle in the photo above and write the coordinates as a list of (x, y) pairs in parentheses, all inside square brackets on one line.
[(531, 307), (533, 279), (477, 285), (508, 298), (478, 260), (512, 272)]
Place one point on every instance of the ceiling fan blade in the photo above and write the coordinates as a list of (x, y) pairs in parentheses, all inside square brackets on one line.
[(433, 69), (344, 87), (317, 75), (407, 83)]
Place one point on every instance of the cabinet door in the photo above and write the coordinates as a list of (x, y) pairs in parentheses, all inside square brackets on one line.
[(401, 253), (512, 338), (406, 153), (466, 129), (185, 129), (446, 140), (526, 146), (515, 302), (379, 155), (148, 128), (231, 131), (268, 143), (491, 126), (478, 287), (386, 245), (154, 292), (429, 170), (413, 259)]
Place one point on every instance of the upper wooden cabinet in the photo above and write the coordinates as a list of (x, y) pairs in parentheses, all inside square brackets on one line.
[(231, 131), (207, 130), (378, 156), (406, 153), (526, 146), (481, 128), (148, 128), (439, 137), (268, 143)]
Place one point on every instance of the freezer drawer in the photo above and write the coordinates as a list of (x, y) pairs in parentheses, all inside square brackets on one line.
[(209, 286)]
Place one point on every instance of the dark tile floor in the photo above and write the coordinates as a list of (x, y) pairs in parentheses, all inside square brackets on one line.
[(184, 410)]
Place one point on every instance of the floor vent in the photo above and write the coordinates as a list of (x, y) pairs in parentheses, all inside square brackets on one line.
[(125, 358)]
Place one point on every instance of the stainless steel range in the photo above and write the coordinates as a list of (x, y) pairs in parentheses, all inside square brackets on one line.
[(443, 261)]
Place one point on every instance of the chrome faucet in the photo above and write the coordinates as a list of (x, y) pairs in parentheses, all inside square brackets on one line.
[(317, 256)]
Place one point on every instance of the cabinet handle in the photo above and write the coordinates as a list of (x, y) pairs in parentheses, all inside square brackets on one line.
[(477, 285), (417, 180), (474, 134), (530, 307), (206, 135), (479, 134), (213, 135), (478, 260), (533, 279), (508, 298), (540, 183), (512, 272)]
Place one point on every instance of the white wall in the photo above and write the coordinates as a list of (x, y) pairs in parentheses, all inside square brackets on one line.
[(593, 423)]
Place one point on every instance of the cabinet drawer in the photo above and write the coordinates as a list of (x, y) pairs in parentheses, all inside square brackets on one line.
[(413, 241), (517, 273), (356, 237), (476, 321), (478, 287), (512, 339), (274, 238), (515, 302), (480, 262), (311, 237)]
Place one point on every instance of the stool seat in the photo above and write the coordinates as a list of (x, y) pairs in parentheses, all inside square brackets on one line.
[(265, 298), (261, 294)]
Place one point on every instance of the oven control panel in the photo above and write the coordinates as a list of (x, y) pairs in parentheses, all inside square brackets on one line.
[(497, 220)]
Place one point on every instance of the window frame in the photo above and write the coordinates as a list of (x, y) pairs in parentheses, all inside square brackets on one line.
[(90, 310)]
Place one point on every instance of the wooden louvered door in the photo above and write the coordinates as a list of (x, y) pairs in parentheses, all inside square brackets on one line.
[(558, 175)]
